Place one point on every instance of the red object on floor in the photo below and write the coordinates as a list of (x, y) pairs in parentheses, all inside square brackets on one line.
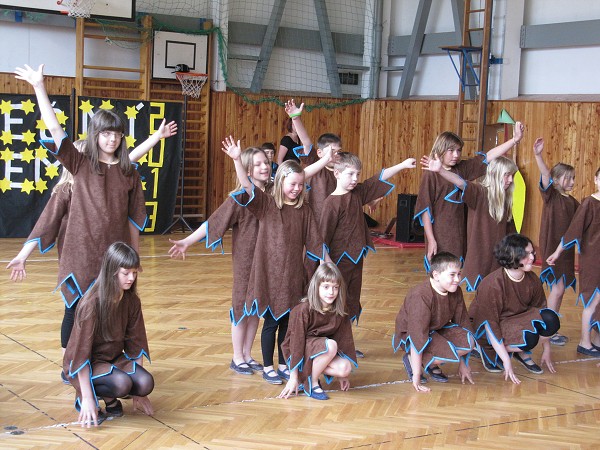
[(394, 243)]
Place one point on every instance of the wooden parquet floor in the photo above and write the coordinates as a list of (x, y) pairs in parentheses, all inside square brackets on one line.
[(201, 403)]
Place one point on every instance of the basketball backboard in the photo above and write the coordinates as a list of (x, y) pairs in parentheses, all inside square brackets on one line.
[(106, 9), (171, 49)]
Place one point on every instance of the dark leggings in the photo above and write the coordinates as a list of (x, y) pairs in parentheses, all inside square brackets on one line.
[(120, 384), (551, 325), (67, 325), (267, 337)]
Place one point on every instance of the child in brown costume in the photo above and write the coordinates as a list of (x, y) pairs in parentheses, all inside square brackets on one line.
[(433, 325), (104, 354), (509, 311), (319, 337)]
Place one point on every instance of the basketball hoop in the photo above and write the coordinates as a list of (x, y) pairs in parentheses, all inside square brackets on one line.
[(191, 82), (78, 8)]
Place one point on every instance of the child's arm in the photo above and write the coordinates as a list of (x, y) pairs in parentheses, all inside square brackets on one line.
[(233, 150), (36, 79), (18, 262), (134, 235), (551, 260), (316, 167), (503, 148), (179, 247), (546, 357), (142, 403), (503, 355), (538, 150), (464, 371), (416, 361), (165, 130), (294, 112), (435, 165), (391, 171), (88, 412), (291, 386)]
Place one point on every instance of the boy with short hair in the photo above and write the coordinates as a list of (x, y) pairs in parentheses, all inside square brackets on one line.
[(343, 223), (433, 324)]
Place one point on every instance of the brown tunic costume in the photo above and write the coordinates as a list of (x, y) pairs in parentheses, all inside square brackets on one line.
[(556, 216), (101, 205), (483, 233), (442, 202), (509, 307), (322, 184), (437, 325), (86, 348), (346, 234), (276, 282), (306, 338), (49, 230), (244, 231), (584, 231)]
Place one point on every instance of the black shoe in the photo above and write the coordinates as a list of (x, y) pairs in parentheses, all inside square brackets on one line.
[(528, 363), (284, 374), (408, 367), (489, 366), (589, 351), (436, 373), (114, 408), (242, 369), (255, 365), (64, 378), (271, 377)]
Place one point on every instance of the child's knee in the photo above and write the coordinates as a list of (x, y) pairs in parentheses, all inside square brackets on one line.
[(332, 346), (345, 368)]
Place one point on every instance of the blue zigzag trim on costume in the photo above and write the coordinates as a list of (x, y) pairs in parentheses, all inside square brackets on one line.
[(472, 287), (142, 353), (314, 257), (455, 350), (253, 312), (419, 215), (268, 310), (408, 344), (300, 155), (242, 191), (73, 288), (548, 277), (570, 244), (451, 194), (44, 141), (141, 228), (480, 332), (534, 330), (72, 374), (550, 183), (213, 245), (39, 245), (392, 186), (582, 300), (485, 161), (363, 254)]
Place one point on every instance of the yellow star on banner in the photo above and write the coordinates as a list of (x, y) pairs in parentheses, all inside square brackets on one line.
[(27, 186), (106, 105), (143, 159), (28, 137), (131, 112), (7, 155), (143, 185), (51, 171), (41, 152), (6, 137), (41, 186), (5, 185), (28, 106), (40, 125), (27, 156), (62, 117), (5, 107), (130, 141), (82, 136), (86, 106)]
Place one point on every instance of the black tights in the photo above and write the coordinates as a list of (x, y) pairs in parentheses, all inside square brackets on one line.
[(549, 328), (120, 384), (267, 338), (67, 325)]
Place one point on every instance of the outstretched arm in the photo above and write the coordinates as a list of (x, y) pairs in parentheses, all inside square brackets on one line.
[(551, 260), (503, 148), (409, 163), (36, 79), (538, 150), (316, 167), (18, 263), (295, 112), (165, 130), (435, 165), (233, 150), (179, 247)]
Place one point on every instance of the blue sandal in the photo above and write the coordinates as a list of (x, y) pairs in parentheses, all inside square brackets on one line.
[(271, 377)]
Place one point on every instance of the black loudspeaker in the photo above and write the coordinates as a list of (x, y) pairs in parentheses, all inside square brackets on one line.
[(407, 228)]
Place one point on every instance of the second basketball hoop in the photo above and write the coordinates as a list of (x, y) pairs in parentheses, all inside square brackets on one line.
[(191, 83), (78, 8)]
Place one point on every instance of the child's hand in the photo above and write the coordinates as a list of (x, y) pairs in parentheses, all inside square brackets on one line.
[(18, 269), (433, 165), (518, 132), (290, 387), (344, 384), (418, 386), (88, 413), (546, 359), (142, 404), (538, 146), (327, 153), (178, 249), (167, 130), (33, 77), (409, 163), (509, 373), (372, 205), (551, 260), (232, 149), (291, 108), (464, 372)]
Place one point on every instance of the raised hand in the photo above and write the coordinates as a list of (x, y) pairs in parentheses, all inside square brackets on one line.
[(409, 163), (431, 164), (538, 146), (167, 130), (33, 77), (291, 108), (518, 132), (231, 148)]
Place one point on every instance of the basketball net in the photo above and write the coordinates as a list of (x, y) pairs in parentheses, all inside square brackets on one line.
[(191, 83), (78, 8)]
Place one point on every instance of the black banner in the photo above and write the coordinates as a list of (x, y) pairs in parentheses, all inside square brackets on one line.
[(28, 172)]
